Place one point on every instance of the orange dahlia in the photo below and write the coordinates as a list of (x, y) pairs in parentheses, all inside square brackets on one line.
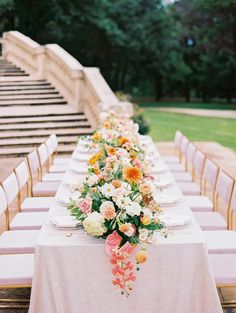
[(93, 160), (111, 151), (96, 136), (132, 174), (123, 140)]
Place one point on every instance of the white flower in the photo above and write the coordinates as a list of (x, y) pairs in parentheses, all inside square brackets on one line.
[(92, 179), (133, 208), (122, 201), (108, 190), (143, 234), (147, 212), (93, 224)]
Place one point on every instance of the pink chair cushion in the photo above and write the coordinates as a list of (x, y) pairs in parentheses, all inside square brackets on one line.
[(37, 204), (176, 167), (18, 241), (222, 241), (16, 269), (53, 177), (61, 161), (45, 188), (189, 188), (224, 268), (182, 177), (210, 221), (58, 168), (28, 220), (199, 203)]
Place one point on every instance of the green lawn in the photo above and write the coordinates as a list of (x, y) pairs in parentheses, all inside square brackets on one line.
[(189, 105), (164, 125)]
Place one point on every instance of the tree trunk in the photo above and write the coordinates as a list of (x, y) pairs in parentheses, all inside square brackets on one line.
[(159, 87), (187, 91)]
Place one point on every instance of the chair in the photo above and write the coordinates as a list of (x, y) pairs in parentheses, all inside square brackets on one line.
[(172, 158), (51, 144), (180, 167), (22, 220), (44, 165), (224, 271), (223, 241), (203, 203), (16, 271), (214, 220), (40, 189), (29, 204), (15, 241), (189, 156), (191, 188)]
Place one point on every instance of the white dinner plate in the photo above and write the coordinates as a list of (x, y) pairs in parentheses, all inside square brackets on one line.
[(175, 220), (81, 157), (162, 183), (66, 221), (167, 199), (79, 169), (65, 201)]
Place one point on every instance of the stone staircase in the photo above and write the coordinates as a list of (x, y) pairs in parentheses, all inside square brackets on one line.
[(31, 110)]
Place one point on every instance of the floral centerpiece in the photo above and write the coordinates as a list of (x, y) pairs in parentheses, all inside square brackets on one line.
[(117, 198)]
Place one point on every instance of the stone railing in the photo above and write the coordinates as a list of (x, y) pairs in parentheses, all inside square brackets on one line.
[(82, 87)]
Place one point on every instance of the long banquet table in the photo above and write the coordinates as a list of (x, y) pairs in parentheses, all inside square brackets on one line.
[(73, 274)]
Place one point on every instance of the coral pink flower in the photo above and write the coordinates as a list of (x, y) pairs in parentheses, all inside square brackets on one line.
[(112, 241), (85, 205), (117, 270), (127, 248)]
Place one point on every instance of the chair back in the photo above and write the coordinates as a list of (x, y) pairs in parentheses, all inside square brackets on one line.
[(22, 174), (190, 152), (33, 162), (178, 138), (198, 162), (233, 207), (4, 207), (210, 175), (54, 141), (224, 190), (184, 145), (224, 187), (43, 156), (3, 201), (11, 188), (50, 146)]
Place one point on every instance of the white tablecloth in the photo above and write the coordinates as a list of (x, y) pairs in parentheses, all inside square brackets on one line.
[(73, 274)]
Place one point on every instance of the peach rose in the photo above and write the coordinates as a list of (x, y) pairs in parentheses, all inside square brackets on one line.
[(141, 256), (107, 210), (145, 188), (85, 205), (145, 220)]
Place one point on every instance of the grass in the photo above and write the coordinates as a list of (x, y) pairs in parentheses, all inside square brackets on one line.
[(196, 128), (189, 105)]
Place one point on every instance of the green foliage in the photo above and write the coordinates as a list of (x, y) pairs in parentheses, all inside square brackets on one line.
[(139, 118), (139, 45)]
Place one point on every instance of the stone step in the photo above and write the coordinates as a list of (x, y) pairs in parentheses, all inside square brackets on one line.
[(27, 79), (13, 74), (24, 83), (47, 125), (38, 110), (46, 132), (18, 142), (32, 102), (43, 119), (19, 88), (23, 151), (13, 93), (29, 97)]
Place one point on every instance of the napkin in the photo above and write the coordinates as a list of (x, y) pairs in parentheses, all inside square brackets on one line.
[(175, 220), (65, 221), (166, 199)]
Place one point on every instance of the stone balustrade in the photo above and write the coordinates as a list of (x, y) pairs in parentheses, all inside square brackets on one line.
[(83, 87)]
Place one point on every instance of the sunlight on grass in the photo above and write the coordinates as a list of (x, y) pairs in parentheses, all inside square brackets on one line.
[(164, 125)]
